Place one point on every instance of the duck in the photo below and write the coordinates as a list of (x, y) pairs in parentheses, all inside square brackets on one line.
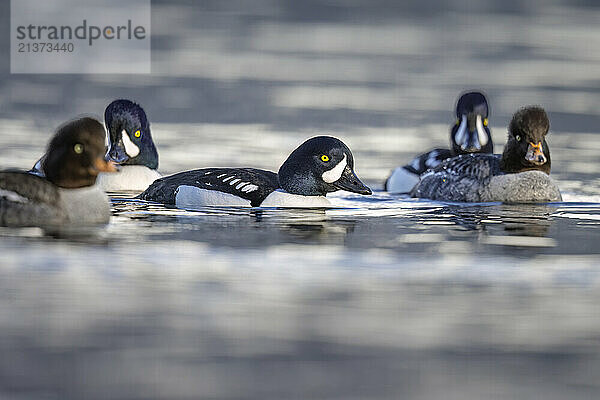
[(521, 174), (469, 134), (320, 165), (67, 194), (130, 145)]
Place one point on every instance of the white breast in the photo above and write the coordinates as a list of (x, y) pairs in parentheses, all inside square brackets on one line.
[(279, 198), (401, 181), (192, 197), (89, 205), (130, 177)]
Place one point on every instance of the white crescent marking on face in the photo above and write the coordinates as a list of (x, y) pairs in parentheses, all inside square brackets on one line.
[(336, 172), (130, 148), (481, 133), (460, 138)]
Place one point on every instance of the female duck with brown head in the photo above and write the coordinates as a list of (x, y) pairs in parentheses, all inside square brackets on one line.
[(68, 195), (519, 175)]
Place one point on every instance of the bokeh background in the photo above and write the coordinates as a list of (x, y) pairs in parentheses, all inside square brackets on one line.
[(386, 298)]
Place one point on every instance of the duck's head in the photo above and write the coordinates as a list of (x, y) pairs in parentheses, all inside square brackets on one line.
[(75, 155), (526, 147), (470, 133), (321, 165), (130, 141)]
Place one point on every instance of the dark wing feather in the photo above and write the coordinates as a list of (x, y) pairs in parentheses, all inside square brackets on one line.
[(32, 187), (428, 160), (27, 200), (459, 178), (226, 180)]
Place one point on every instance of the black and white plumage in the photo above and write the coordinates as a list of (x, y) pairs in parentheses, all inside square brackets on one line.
[(67, 194), (519, 175), (130, 145), (319, 166), (249, 184), (470, 134)]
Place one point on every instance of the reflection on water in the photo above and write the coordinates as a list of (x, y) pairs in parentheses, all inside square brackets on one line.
[(379, 297)]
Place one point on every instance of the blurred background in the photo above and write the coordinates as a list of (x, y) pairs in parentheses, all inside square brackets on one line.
[(333, 64), (386, 298)]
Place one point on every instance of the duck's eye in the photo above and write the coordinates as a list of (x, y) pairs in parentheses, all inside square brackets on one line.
[(78, 148), (324, 158), (137, 133), (518, 137), (485, 122)]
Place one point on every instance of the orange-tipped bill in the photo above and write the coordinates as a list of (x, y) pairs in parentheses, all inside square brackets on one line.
[(535, 154), (102, 165)]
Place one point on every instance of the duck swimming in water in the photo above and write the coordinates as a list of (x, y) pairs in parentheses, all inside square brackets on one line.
[(67, 195), (320, 165), (470, 134), (519, 175), (130, 145)]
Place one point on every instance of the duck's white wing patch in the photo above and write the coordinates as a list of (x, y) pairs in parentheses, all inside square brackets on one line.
[(279, 198), (248, 188), (336, 172), (192, 197), (130, 148), (401, 181), (13, 196)]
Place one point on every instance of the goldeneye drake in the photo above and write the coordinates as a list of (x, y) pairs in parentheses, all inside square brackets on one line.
[(519, 175), (470, 134), (320, 165), (130, 144), (67, 195)]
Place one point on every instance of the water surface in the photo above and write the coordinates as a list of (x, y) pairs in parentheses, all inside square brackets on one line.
[(381, 297)]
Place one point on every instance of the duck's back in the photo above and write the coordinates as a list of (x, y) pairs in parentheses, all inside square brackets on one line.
[(403, 179), (213, 186), (461, 178), (478, 178), (30, 200), (27, 200)]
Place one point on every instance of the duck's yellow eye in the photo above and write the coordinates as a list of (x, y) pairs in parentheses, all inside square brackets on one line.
[(485, 122), (324, 158), (518, 138), (137, 133), (78, 148)]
